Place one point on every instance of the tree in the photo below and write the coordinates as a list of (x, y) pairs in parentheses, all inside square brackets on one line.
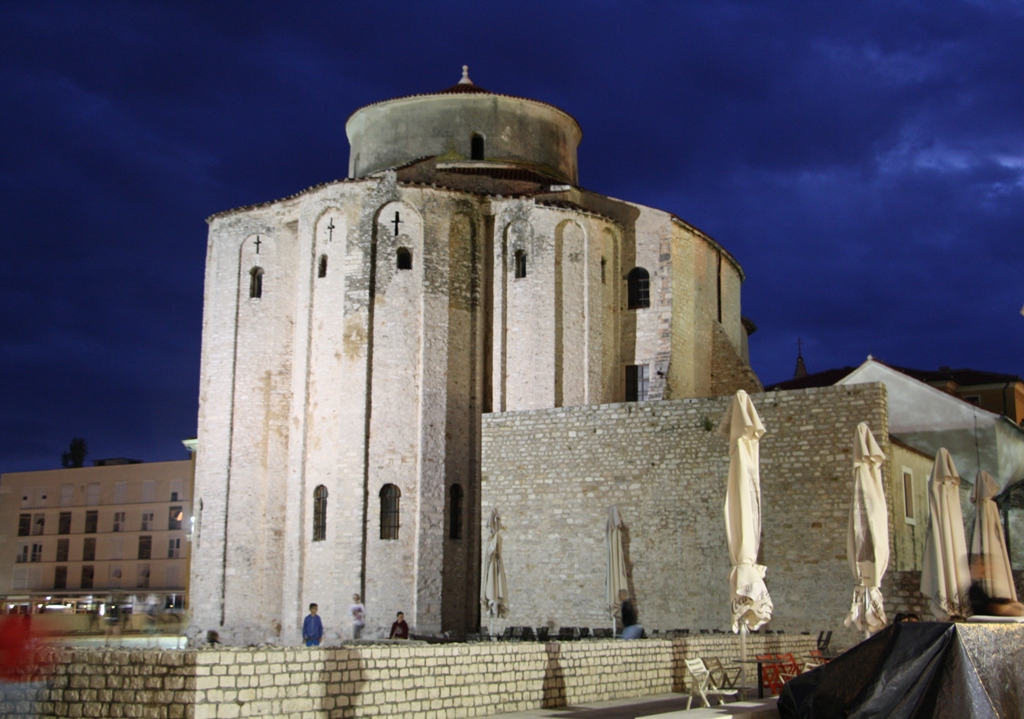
[(75, 456)]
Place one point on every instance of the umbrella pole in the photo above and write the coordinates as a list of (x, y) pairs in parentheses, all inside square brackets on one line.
[(867, 610), (743, 652)]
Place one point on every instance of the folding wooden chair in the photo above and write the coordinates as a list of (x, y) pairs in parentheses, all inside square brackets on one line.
[(770, 674), (721, 676), (701, 686), (790, 669)]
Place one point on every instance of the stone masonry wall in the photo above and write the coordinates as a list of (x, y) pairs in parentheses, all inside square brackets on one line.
[(393, 680), (553, 474)]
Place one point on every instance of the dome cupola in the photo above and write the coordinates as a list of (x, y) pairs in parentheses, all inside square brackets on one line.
[(465, 125)]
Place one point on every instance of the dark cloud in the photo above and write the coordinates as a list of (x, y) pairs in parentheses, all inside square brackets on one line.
[(863, 161)]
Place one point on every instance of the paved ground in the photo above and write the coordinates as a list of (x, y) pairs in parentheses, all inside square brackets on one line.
[(661, 706)]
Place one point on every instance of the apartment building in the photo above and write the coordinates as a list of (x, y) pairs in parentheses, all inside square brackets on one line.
[(118, 529)]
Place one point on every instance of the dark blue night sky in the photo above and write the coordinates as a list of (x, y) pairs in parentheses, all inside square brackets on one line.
[(863, 161)]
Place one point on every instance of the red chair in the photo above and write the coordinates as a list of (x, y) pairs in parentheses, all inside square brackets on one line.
[(770, 673), (789, 669)]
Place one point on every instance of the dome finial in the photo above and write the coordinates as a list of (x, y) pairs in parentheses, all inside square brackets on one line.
[(465, 76)]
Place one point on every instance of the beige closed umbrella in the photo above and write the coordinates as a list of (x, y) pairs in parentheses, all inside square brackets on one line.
[(749, 601), (946, 576), (493, 590), (616, 581), (867, 541), (988, 545)]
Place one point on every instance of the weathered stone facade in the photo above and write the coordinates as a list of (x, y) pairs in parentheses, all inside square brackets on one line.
[(552, 474), (353, 335)]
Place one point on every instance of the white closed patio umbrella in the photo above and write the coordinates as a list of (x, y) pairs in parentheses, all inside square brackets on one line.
[(867, 541), (616, 581), (946, 576), (989, 544), (493, 590), (750, 604)]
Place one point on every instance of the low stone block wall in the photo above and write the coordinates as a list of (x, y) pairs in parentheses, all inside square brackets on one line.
[(365, 680)]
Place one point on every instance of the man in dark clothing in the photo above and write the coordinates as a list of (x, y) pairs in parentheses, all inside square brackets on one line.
[(399, 629), (631, 628)]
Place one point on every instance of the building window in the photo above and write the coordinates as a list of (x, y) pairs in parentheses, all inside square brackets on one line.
[(119, 521), (60, 578), (149, 491), (145, 547), (89, 549), (174, 517), (147, 522), (67, 495), (404, 258), (91, 520), (520, 264), (256, 283), (63, 549), (92, 494), (37, 553), (176, 493), (173, 548), (908, 495), (639, 288), (320, 513), (604, 264), (455, 512), (22, 556), (142, 579), (120, 492), (116, 548), (476, 147), (87, 572), (638, 381), (38, 524), (64, 523), (24, 525), (115, 576), (389, 496), (322, 269)]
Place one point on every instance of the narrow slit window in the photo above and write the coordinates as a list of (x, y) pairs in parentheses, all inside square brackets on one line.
[(389, 496), (908, 495), (455, 512), (476, 149), (520, 264), (320, 513), (404, 256), (322, 267), (256, 282), (639, 288), (604, 264)]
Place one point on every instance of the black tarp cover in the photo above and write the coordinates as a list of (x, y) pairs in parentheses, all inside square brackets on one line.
[(912, 670)]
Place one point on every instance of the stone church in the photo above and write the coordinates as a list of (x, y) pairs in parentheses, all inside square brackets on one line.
[(355, 333)]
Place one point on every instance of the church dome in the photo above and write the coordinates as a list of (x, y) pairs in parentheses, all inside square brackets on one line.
[(465, 126)]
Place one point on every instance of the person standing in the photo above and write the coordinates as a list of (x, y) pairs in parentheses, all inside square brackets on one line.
[(631, 628), (399, 629), (312, 628), (358, 612)]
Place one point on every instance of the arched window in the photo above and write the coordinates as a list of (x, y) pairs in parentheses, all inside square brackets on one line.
[(404, 258), (455, 512), (389, 496), (476, 147), (639, 288), (320, 513), (604, 264), (520, 264), (256, 282), (322, 271)]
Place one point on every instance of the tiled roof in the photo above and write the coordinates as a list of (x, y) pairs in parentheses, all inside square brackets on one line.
[(819, 379), (963, 377)]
